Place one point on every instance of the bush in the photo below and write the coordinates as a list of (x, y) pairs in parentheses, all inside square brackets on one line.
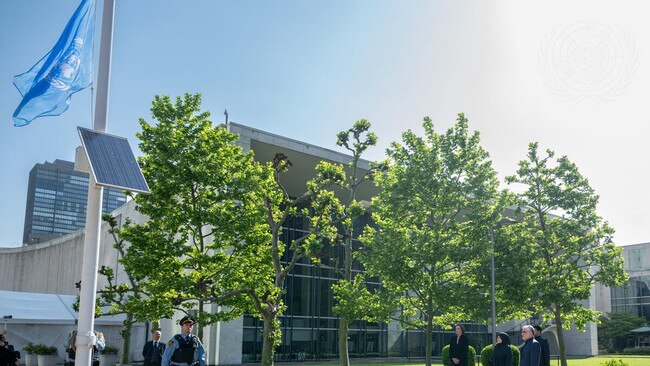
[(471, 356), (29, 348), (110, 350), (618, 362), (41, 349), (637, 351), (486, 356)]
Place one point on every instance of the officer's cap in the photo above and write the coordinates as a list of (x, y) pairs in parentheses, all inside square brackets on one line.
[(186, 319)]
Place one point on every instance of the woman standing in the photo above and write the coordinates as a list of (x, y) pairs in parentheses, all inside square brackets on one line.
[(458, 347), (502, 354)]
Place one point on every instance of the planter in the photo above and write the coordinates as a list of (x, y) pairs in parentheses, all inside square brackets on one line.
[(30, 359), (48, 360), (108, 360)]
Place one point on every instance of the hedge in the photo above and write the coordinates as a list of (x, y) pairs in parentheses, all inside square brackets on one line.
[(486, 356), (471, 356)]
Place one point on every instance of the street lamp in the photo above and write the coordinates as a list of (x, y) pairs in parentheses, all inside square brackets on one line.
[(6, 318), (503, 222)]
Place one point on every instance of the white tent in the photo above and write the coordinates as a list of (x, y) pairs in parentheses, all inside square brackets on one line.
[(48, 318)]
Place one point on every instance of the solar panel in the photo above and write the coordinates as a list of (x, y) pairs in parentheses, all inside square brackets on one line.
[(112, 162)]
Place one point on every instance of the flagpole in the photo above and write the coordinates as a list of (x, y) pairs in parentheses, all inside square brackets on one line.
[(85, 335)]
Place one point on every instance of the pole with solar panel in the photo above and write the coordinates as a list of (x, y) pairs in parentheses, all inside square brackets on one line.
[(110, 162)]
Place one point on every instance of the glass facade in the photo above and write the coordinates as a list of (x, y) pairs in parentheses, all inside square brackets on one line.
[(56, 201), (310, 329), (635, 299)]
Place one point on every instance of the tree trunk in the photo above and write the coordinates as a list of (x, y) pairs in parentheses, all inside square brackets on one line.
[(429, 339), (200, 330), (126, 338), (560, 335), (267, 341), (344, 358)]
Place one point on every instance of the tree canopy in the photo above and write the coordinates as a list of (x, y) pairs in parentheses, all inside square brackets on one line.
[(571, 245), (204, 241), (438, 198)]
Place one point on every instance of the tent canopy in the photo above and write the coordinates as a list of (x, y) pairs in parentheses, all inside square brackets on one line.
[(641, 330), (36, 308)]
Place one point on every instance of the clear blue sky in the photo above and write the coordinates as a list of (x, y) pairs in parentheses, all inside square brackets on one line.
[(308, 69)]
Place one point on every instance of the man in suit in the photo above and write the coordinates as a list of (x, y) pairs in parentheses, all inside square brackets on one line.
[(543, 342), (153, 350), (530, 352)]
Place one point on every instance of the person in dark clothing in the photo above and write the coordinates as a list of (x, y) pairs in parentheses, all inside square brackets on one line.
[(8, 355), (458, 347), (153, 350), (502, 354), (531, 351), (545, 359)]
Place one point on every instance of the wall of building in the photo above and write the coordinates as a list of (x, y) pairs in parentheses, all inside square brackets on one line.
[(634, 299)]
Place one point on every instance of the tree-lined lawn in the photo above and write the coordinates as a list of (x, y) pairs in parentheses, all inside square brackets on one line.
[(587, 361)]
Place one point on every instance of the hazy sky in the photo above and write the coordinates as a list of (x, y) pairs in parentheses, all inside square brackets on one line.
[(571, 75)]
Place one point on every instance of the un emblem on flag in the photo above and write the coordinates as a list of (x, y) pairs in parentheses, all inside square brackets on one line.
[(65, 72), (588, 60)]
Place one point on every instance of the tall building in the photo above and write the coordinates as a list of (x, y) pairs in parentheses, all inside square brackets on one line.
[(635, 297), (309, 327), (56, 201)]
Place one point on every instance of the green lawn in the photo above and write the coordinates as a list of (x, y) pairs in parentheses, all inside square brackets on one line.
[(587, 361), (600, 360)]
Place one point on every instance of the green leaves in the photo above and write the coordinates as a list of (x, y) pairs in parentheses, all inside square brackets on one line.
[(614, 329), (205, 240), (438, 198), (571, 245)]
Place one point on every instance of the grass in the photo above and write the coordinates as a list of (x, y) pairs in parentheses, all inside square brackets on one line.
[(600, 360), (583, 361)]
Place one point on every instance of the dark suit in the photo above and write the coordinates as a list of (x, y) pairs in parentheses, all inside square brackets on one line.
[(459, 349), (531, 353), (153, 354), (545, 358)]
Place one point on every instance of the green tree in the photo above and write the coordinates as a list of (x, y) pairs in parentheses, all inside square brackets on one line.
[(315, 208), (347, 290), (437, 201), (614, 329), (203, 244), (571, 245)]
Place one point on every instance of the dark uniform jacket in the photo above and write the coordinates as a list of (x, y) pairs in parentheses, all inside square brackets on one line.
[(545, 359), (8, 356), (184, 351), (153, 353), (531, 353)]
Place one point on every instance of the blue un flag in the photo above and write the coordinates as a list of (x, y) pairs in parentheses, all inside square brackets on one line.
[(68, 68)]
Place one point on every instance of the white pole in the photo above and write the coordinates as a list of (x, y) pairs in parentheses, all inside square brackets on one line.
[(85, 335), (494, 302), (104, 69)]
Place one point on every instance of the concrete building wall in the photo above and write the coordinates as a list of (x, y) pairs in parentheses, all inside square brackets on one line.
[(54, 267)]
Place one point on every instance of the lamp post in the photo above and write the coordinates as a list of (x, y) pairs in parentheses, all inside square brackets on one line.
[(503, 222), (494, 301)]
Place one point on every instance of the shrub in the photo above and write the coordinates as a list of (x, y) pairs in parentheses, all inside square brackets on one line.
[(471, 356), (41, 349), (110, 350), (486, 355), (618, 362), (29, 348), (637, 351)]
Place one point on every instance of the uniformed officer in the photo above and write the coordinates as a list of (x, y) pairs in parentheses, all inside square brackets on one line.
[(184, 349)]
